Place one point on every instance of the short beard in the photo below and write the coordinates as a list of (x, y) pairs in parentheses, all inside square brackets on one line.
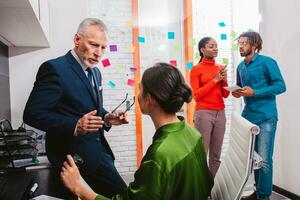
[(247, 53)]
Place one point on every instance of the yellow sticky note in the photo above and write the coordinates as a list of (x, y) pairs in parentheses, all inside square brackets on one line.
[(131, 48), (120, 68), (129, 23)]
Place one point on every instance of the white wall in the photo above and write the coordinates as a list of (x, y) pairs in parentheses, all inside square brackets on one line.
[(280, 31), (156, 19), (122, 139), (64, 17)]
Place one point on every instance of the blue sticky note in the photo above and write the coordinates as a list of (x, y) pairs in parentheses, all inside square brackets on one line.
[(141, 39), (222, 24), (189, 65), (111, 84), (223, 36), (171, 35)]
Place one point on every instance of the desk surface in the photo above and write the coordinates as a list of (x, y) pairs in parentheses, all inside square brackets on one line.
[(48, 182)]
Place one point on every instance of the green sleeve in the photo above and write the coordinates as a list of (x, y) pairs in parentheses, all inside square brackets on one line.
[(149, 183)]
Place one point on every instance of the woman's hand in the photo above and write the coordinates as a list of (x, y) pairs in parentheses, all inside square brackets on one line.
[(221, 75), (70, 177)]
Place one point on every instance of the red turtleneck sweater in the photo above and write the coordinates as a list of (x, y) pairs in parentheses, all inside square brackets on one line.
[(208, 94)]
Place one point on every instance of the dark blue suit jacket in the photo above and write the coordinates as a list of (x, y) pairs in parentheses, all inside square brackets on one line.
[(61, 95)]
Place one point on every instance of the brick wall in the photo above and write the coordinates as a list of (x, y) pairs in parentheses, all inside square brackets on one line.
[(122, 139)]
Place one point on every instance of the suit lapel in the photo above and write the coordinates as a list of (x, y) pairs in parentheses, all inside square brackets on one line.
[(82, 76)]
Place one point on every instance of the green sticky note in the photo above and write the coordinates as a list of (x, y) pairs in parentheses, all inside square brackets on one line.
[(177, 47), (225, 61), (235, 47), (197, 56), (233, 34), (192, 42)]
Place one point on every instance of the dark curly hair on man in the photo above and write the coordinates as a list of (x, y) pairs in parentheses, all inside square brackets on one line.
[(254, 39)]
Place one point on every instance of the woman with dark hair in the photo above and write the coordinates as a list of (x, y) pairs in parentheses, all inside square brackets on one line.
[(207, 81), (175, 165)]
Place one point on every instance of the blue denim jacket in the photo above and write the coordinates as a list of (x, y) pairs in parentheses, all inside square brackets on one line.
[(262, 74)]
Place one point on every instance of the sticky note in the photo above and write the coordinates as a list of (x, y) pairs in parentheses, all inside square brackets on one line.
[(105, 62), (129, 23), (113, 47), (197, 56), (235, 47), (189, 65), (225, 61), (111, 84), (141, 39), (171, 35), (222, 24), (233, 34), (192, 42), (133, 69), (173, 62), (223, 36), (177, 47), (130, 82), (120, 68), (131, 49)]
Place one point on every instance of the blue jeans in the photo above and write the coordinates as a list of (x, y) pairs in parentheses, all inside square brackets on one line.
[(264, 146)]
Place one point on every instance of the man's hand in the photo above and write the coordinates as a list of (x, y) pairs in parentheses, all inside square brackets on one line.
[(116, 118), (89, 123), (248, 91), (244, 92)]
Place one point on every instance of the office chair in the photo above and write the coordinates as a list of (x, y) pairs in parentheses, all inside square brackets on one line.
[(237, 165)]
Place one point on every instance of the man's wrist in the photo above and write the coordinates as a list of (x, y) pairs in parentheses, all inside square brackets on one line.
[(106, 121)]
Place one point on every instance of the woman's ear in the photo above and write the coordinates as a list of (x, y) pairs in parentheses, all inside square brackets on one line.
[(151, 100), (202, 50)]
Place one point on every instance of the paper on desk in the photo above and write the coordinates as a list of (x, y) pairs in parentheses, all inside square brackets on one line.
[(232, 88), (45, 197)]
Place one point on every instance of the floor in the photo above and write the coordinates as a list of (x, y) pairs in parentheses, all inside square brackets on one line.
[(250, 186)]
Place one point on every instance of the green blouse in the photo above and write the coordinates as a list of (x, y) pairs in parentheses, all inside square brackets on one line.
[(174, 167)]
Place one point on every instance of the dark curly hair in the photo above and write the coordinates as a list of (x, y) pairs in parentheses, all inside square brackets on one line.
[(253, 38), (166, 85)]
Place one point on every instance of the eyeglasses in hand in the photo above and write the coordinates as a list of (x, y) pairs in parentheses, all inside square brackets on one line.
[(128, 104)]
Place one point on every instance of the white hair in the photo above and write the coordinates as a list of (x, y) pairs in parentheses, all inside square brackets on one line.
[(91, 22)]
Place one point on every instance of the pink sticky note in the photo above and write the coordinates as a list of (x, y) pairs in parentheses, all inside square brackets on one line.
[(173, 62), (130, 82), (105, 62)]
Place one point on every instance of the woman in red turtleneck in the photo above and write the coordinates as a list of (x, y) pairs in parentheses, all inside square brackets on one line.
[(207, 81)]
